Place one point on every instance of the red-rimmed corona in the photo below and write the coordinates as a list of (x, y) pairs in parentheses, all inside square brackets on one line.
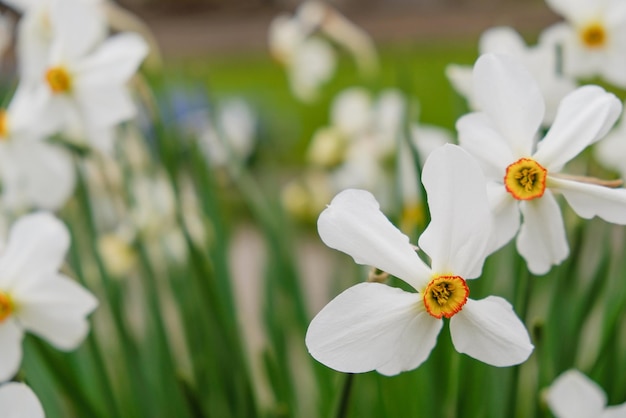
[(525, 179), (445, 296)]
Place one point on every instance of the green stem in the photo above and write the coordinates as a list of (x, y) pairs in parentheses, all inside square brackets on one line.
[(342, 409)]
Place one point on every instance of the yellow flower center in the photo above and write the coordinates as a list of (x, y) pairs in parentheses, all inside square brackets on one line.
[(593, 35), (59, 80), (445, 296), (525, 179), (6, 306), (4, 125)]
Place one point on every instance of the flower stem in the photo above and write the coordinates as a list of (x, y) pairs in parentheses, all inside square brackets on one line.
[(342, 409)]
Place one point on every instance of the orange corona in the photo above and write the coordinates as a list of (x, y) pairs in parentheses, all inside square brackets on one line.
[(6, 306), (59, 80), (593, 35), (445, 296)]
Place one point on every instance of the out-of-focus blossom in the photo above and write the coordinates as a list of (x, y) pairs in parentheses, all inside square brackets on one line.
[(522, 173), (309, 59), (19, 401), (117, 252), (540, 60), (593, 38), (34, 172), (574, 395), (83, 81), (34, 296), (372, 326), (611, 151), (305, 197)]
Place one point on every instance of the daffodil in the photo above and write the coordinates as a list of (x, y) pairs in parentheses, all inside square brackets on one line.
[(593, 38), (574, 395), (19, 401), (373, 326), (34, 296), (522, 172)]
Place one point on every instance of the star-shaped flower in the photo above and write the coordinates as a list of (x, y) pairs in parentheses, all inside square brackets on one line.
[(522, 172), (372, 326), (34, 296)]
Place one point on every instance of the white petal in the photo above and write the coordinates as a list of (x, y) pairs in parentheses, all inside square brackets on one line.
[(37, 245), (506, 215), (460, 228), (574, 395), (617, 411), (490, 331), (79, 25), (104, 105), (114, 62), (11, 355), (589, 200), (18, 401), (479, 137), (55, 309), (583, 117), (577, 11), (508, 94), (354, 224), (372, 326), (541, 239), (351, 111), (502, 39)]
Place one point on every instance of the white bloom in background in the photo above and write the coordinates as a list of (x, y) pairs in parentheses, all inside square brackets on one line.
[(540, 60), (574, 395), (34, 296), (372, 326), (34, 173), (84, 81), (611, 151), (593, 38), (522, 173), (19, 401), (309, 59)]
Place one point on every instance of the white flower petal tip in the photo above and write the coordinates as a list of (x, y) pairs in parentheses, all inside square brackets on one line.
[(573, 394), (490, 331), (354, 224), (372, 326), (19, 401)]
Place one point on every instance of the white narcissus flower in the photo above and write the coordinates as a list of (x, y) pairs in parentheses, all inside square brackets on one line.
[(574, 395), (523, 173), (593, 38), (540, 60), (372, 326), (84, 81), (19, 401), (34, 296), (34, 173)]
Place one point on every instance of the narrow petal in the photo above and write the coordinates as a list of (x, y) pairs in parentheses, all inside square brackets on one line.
[(490, 331), (372, 326), (589, 200), (509, 95), (583, 117), (506, 215), (541, 239), (55, 309), (354, 224), (19, 401), (114, 62), (479, 137), (37, 245), (461, 222), (574, 395), (11, 355)]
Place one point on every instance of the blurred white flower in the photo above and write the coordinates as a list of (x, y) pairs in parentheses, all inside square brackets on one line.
[(34, 173), (593, 38), (19, 401), (372, 326), (523, 173), (540, 60), (574, 395), (34, 296), (309, 59), (84, 81)]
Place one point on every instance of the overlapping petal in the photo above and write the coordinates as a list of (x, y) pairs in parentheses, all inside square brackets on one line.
[(541, 239), (589, 200), (574, 395), (583, 117), (490, 331), (11, 343), (372, 326), (507, 93), (460, 228), (18, 401), (354, 224), (506, 215)]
